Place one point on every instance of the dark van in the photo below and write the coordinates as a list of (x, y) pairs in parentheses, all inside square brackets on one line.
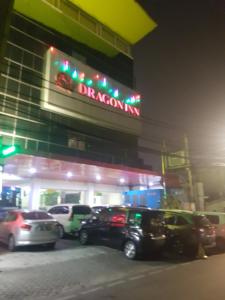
[(136, 231)]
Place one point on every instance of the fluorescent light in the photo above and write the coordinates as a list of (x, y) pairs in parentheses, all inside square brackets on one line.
[(69, 174)]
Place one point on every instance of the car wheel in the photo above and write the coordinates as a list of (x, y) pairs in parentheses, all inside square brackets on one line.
[(11, 243), (130, 250), (84, 237), (61, 232)]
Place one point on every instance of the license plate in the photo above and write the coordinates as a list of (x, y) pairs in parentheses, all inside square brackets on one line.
[(44, 227)]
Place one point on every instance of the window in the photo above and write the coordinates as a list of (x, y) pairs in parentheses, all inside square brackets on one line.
[(103, 216), (181, 221), (36, 215), (135, 218), (170, 220), (59, 210), (81, 210), (11, 216)]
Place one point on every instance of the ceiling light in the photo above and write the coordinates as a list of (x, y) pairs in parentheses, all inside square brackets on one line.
[(69, 174), (32, 170), (122, 180), (98, 177)]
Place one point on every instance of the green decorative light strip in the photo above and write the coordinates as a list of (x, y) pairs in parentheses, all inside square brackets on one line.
[(98, 81)]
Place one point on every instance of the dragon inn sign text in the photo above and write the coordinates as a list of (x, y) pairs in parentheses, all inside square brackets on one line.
[(65, 82)]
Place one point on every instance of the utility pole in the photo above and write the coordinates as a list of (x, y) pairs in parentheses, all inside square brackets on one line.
[(164, 166), (188, 169)]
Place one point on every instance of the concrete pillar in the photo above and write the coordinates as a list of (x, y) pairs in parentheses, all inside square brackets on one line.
[(89, 195), (34, 195)]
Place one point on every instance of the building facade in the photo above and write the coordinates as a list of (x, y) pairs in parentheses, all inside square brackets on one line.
[(69, 106)]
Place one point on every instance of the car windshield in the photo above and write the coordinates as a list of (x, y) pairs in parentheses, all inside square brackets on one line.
[(36, 215)]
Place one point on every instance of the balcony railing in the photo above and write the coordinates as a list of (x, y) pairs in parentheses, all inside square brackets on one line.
[(80, 17)]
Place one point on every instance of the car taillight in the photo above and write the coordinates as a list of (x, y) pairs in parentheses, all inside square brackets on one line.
[(118, 220), (26, 227)]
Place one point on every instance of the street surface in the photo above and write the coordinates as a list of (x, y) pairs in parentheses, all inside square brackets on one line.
[(96, 272)]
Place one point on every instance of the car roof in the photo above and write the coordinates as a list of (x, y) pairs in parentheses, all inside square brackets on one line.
[(178, 211), (68, 204)]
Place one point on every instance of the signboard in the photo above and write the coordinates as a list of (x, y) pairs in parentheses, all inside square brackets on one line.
[(75, 89), (177, 160)]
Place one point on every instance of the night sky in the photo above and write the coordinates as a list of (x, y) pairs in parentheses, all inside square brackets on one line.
[(180, 71)]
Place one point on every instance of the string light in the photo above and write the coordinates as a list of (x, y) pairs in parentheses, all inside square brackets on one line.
[(103, 83), (75, 74)]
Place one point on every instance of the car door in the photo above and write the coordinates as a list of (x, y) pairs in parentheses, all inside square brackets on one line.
[(62, 215), (104, 226)]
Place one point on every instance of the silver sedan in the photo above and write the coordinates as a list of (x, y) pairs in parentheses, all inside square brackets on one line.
[(22, 227)]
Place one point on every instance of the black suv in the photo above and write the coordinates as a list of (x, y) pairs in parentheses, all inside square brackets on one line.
[(134, 230), (185, 230)]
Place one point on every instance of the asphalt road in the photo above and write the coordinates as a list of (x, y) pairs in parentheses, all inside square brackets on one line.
[(96, 272)]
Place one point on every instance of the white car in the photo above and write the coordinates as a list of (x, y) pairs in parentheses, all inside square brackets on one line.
[(70, 216)]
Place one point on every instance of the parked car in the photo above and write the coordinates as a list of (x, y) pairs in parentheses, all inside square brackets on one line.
[(185, 230), (217, 219), (23, 228), (97, 209), (70, 216), (135, 231)]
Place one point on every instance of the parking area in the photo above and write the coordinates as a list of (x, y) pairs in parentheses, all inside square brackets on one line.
[(65, 250)]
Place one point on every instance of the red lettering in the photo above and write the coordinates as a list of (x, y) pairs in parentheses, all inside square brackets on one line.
[(120, 105), (82, 89), (99, 97), (126, 107), (137, 111), (130, 109), (105, 99), (113, 102), (91, 93)]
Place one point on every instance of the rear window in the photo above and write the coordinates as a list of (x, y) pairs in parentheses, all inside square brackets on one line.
[(145, 218), (81, 210), (36, 215)]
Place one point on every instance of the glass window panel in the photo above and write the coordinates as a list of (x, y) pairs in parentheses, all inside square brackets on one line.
[(38, 64), (25, 91), (28, 59), (14, 70), (12, 87), (23, 110)]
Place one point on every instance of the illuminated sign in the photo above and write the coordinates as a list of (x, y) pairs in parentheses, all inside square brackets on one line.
[(72, 88), (64, 81)]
